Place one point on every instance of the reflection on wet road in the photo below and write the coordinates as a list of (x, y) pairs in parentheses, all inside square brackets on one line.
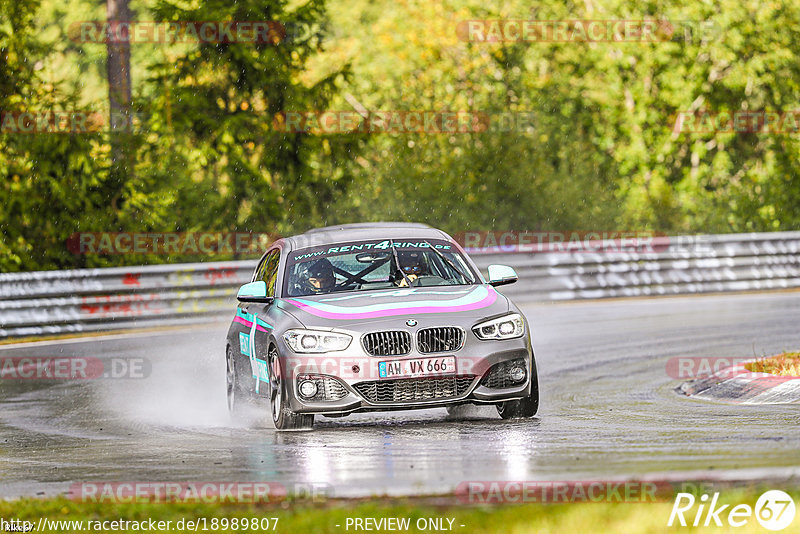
[(608, 410)]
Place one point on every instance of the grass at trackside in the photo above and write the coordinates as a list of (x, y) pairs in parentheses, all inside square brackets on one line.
[(786, 364), (323, 518)]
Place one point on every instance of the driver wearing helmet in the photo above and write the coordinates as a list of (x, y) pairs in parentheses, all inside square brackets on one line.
[(319, 276), (413, 265)]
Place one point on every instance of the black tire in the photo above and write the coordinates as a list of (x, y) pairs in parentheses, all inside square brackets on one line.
[(238, 393), (524, 407), (282, 416)]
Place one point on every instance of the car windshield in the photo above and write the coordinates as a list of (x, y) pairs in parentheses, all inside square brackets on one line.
[(378, 264)]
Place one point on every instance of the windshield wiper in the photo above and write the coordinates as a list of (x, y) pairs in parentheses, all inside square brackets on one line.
[(451, 264)]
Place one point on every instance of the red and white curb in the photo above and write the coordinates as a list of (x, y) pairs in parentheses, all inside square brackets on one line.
[(737, 385)]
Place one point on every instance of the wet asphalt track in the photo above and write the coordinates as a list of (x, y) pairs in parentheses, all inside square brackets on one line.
[(608, 410)]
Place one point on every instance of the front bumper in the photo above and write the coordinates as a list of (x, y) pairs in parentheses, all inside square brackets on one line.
[(468, 385)]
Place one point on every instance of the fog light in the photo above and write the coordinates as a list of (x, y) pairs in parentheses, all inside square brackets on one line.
[(308, 388), (516, 374)]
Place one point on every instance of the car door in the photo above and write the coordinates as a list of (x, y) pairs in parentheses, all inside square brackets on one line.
[(255, 320)]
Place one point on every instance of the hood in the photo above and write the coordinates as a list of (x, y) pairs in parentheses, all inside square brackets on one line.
[(350, 309)]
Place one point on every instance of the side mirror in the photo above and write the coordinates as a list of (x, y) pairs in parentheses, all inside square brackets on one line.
[(500, 275), (254, 292)]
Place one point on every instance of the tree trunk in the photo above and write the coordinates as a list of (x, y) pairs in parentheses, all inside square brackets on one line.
[(119, 95)]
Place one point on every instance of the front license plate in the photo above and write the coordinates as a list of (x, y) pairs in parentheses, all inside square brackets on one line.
[(445, 365)]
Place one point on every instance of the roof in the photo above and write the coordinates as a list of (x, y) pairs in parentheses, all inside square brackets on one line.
[(358, 226), (365, 232)]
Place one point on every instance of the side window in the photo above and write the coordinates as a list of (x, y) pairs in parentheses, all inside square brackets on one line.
[(268, 272), (261, 269)]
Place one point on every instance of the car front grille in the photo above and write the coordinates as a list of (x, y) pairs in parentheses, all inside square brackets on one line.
[(415, 389), (328, 388), (440, 339), (497, 376), (389, 343)]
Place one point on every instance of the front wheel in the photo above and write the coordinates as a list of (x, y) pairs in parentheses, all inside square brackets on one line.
[(282, 416), (524, 407)]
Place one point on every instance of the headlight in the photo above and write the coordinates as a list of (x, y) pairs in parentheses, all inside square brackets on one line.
[(506, 327), (316, 341)]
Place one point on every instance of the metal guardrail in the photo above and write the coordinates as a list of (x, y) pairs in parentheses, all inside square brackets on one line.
[(85, 300), (52, 302), (677, 265)]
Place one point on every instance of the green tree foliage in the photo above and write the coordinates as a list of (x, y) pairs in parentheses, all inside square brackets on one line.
[(50, 185), (594, 147), (542, 173), (603, 153), (231, 167), (207, 155)]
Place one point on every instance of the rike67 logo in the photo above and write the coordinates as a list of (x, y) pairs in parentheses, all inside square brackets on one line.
[(774, 510)]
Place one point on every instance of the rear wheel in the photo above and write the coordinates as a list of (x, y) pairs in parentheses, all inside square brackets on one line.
[(239, 396), (282, 416), (524, 407)]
